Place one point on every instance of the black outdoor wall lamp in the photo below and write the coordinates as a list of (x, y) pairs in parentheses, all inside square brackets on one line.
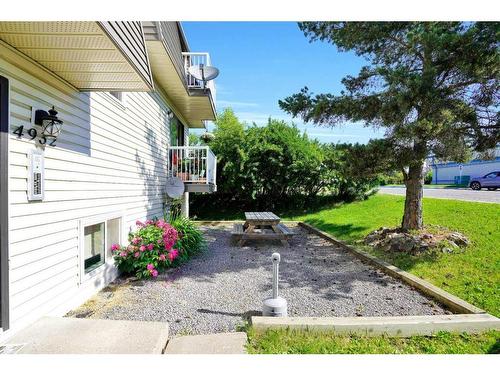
[(51, 125)]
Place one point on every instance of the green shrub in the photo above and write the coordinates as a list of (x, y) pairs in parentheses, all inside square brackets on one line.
[(393, 178), (428, 178), (190, 238), (276, 166)]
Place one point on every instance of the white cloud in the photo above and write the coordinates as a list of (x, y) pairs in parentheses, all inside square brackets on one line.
[(229, 103)]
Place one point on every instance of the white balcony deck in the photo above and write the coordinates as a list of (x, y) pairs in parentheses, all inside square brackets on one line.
[(197, 58), (195, 165)]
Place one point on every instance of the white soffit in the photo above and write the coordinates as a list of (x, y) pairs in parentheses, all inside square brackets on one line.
[(194, 108), (81, 53)]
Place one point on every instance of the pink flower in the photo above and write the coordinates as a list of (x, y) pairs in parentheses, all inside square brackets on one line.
[(159, 241), (139, 223), (169, 233), (154, 273), (142, 248), (137, 254), (115, 246), (162, 257), (123, 254), (151, 247), (136, 240), (150, 267), (149, 222), (173, 254), (169, 244), (161, 223)]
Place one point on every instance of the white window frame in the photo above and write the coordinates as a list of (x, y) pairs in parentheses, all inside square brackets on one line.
[(121, 102), (108, 261)]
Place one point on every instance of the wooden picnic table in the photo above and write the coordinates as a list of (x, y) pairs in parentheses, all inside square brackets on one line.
[(262, 225)]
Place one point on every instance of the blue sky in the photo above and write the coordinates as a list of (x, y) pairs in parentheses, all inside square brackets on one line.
[(262, 62)]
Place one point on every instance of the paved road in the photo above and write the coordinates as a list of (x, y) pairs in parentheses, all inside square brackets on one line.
[(459, 194)]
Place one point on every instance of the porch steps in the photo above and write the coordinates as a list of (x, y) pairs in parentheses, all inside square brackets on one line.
[(219, 343)]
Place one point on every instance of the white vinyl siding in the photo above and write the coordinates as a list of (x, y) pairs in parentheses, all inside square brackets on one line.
[(108, 159)]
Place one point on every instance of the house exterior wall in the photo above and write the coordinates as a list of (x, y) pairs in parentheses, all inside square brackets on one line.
[(109, 162), (445, 173)]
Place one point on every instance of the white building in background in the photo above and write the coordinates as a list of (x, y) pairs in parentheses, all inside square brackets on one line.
[(450, 172), (127, 101)]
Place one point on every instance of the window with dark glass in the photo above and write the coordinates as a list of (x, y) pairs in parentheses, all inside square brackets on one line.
[(118, 95), (176, 132), (94, 246)]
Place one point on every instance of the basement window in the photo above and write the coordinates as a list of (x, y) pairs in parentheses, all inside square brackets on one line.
[(97, 236), (94, 246)]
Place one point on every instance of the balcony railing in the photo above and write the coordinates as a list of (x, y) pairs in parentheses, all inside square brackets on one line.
[(195, 165), (197, 58)]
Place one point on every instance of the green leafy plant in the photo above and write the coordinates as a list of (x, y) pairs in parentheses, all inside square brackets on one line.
[(428, 178), (276, 166), (190, 238)]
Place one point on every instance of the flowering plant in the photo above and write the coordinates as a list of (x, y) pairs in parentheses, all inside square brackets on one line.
[(152, 249)]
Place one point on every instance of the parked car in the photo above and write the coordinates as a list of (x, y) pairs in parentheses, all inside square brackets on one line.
[(491, 181)]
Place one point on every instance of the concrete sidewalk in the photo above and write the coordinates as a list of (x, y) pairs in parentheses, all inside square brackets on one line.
[(51, 335)]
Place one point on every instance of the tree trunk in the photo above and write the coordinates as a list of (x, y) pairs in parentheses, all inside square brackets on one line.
[(414, 181)]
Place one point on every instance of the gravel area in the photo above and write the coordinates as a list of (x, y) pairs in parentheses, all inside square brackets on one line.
[(217, 290)]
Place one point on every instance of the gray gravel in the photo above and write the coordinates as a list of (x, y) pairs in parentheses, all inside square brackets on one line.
[(218, 289)]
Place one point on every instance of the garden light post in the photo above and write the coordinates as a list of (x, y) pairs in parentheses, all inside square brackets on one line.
[(275, 306)]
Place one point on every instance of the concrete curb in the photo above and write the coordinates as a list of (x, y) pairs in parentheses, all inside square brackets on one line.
[(451, 301), (392, 326)]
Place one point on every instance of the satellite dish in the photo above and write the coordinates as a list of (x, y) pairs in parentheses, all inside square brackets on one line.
[(203, 73), (174, 187)]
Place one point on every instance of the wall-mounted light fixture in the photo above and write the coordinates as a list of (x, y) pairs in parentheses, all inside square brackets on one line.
[(170, 114), (51, 125)]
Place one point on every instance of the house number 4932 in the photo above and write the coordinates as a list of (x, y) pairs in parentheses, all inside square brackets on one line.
[(32, 134)]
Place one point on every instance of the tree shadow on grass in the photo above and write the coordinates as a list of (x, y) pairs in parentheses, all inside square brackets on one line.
[(342, 231)]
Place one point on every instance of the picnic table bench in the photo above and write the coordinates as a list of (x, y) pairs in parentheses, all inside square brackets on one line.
[(261, 225)]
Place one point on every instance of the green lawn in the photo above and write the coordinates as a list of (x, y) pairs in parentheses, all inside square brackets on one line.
[(473, 275), (300, 342)]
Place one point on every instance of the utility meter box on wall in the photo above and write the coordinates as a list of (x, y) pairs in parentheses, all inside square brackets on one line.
[(36, 174)]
